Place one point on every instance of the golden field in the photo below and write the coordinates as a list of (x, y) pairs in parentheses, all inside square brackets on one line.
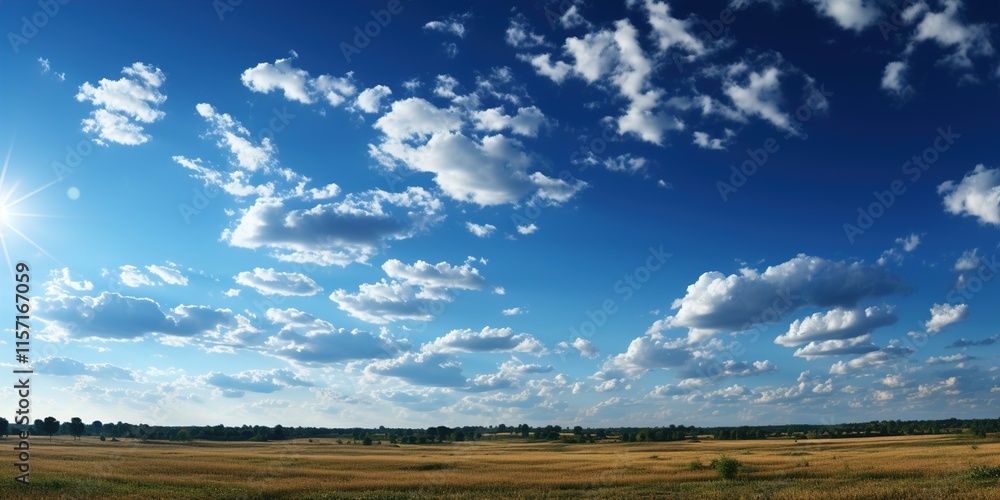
[(890, 467)]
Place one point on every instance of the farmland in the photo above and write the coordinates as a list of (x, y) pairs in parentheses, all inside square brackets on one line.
[(933, 466)]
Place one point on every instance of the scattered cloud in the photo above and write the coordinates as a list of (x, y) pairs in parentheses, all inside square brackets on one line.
[(168, 275), (62, 366), (486, 340), (836, 324), (451, 25), (943, 315), (976, 195), (717, 303), (480, 230), (370, 100), (258, 381), (526, 230), (271, 282), (123, 104), (296, 84), (337, 233)]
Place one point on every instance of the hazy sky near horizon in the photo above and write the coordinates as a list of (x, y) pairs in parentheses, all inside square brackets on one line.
[(646, 212)]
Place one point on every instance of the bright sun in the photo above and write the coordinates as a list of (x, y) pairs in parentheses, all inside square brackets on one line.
[(7, 214)]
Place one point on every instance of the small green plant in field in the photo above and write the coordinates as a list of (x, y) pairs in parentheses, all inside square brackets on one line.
[(983, 472), (726, 467), (975, 447), (695, 465)]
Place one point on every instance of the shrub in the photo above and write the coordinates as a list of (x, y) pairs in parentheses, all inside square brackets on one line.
[(726, 467), (695, 465), (983, 472)]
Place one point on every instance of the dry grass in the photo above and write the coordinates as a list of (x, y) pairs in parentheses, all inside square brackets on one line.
[(893, 467)]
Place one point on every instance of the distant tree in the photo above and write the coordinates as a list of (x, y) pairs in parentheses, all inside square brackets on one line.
[(458, 436), (50, 426), (4, 426), (39, 426), (96, 427), (184, 435), (502, 428), (578, 431), (77, 427), (443, 432), (279, 433), (367, 441)]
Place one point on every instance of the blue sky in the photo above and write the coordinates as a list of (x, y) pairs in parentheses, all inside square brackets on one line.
[(642, 213)]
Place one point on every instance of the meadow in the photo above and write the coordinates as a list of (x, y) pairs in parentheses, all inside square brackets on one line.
[(933, 466)]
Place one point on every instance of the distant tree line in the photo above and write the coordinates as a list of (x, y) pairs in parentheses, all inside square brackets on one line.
[(77, 428)]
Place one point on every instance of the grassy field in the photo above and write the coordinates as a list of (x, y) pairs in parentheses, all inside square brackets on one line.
[(891, 467)]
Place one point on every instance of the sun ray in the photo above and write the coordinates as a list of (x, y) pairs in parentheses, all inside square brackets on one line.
[(10, 267), (10, 192), (29, 195), (6, 214), (40, 249), (25, 214)]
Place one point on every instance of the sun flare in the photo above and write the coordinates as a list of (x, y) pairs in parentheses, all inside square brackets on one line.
[(8, 215)]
